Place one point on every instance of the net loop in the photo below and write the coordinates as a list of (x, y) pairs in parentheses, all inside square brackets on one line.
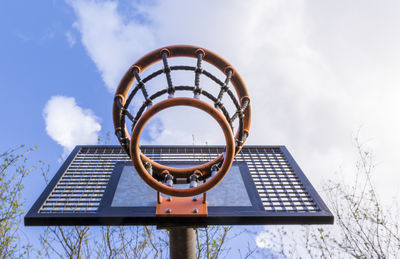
[(218, 104), (167, 72), (141, 84), (197, 92), (148, 102), (224, 86), (125, 111), (197, 71)]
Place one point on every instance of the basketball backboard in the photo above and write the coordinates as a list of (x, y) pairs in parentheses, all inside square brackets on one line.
[(98, 185)]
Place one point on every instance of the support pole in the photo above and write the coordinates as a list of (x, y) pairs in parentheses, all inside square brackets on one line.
[(182, 243)]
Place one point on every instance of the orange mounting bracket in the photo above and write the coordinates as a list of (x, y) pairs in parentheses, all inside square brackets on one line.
[(181, 206)]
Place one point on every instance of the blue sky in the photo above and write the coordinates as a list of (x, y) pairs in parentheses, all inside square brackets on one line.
[(317, 73), (38, 63)]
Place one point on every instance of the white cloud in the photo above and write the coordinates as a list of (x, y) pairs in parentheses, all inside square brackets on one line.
[(68, 124), (294, 92), (112, 43)]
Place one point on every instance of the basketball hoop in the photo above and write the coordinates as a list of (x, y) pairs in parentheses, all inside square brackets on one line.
[(152, 172), (97, 185)]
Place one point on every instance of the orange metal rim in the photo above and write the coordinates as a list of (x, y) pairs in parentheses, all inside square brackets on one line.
[(136, 154), (179, 51)]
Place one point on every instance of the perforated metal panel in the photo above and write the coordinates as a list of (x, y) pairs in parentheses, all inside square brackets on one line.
[(82, 186), (280, 186)]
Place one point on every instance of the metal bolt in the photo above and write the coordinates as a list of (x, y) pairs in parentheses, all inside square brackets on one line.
[(194, 198), (195, 210), (169, 180), (168, 210), (169, 199), (193, 179), (170, 183)]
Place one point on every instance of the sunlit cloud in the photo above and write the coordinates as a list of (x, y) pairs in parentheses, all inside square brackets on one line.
[(68, 124), (111, 42)]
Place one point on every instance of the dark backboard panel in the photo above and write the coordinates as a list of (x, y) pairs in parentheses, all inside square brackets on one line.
[(98, 185)]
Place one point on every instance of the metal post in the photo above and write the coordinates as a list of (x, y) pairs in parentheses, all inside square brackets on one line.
[(182, 243)]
